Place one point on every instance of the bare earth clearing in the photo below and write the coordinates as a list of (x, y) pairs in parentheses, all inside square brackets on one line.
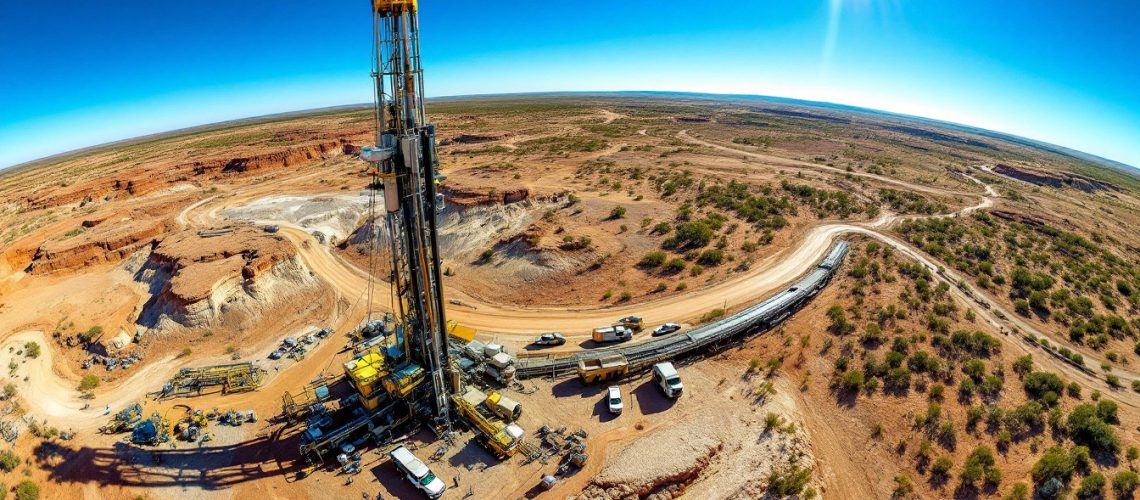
[(565, 213)]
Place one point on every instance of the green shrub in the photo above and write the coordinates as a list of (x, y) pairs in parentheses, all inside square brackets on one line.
[(674, 265), (712, 315), (1054, 464), (1087, 426), (711, 257), (617, 212), (9, 460), (1023, 365), (1092, 486), (1037, 384), (88, 382), (32, 350), (694, 234), (788, 481), (852, 380), (90, 334), (1020, 491), (653, 259), (1124, 483), (27, 490), (941, 467)]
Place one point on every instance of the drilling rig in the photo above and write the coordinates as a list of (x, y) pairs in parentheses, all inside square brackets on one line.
[(405, 167), (403, 376)]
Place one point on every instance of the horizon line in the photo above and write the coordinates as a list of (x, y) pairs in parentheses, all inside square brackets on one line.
[(1068, 151)]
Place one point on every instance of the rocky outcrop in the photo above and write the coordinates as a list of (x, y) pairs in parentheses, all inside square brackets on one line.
[(1055, 179), (466, 197), (196, 282), (109, 242), (145, 179), (280, 159), (475, 138)]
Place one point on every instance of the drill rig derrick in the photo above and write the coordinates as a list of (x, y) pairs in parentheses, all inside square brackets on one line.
[(404, 166)]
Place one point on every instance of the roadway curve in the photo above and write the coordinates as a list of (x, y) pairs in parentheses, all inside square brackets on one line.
[(517, 324)]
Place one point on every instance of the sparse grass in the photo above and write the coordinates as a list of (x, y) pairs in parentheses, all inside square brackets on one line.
[(712, 315)]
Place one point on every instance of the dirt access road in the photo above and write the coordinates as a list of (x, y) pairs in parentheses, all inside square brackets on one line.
[(517, 325)]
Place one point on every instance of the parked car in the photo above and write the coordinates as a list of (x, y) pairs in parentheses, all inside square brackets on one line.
[(277, 354), (613, 399), (417, 473), (666, 329), (549, 339), (666, 376), (632, 322), (289, 341)]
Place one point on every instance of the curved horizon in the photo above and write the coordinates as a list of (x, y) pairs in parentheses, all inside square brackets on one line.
[(1135, 169), (76, 76)]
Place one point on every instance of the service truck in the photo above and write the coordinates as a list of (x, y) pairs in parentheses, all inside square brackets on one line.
[(615, 333)]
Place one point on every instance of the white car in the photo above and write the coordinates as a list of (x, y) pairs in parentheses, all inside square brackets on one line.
[(550, 339), (666, 329), (417, 473), (613, 399)]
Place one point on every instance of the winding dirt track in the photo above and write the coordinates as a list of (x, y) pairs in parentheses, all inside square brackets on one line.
[(505, 322), (517, 324)]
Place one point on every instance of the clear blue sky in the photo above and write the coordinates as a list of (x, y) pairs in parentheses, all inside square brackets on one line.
[(74, 74)]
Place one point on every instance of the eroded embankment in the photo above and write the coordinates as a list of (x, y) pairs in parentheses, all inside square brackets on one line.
[(145, 178), (227, 279)]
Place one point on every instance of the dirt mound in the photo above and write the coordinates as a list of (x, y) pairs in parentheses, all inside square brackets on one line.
[(1055, 179), (198, 280), (198, 263), (103, 243)]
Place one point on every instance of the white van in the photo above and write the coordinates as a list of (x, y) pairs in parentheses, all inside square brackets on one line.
[(666, 377), (416, 472)]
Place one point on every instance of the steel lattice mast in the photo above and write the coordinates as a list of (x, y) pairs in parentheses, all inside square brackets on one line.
[(405, 165)]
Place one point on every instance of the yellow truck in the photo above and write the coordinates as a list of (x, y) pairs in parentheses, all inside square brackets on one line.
[(607, 367), (632, 322), (500, 437)]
